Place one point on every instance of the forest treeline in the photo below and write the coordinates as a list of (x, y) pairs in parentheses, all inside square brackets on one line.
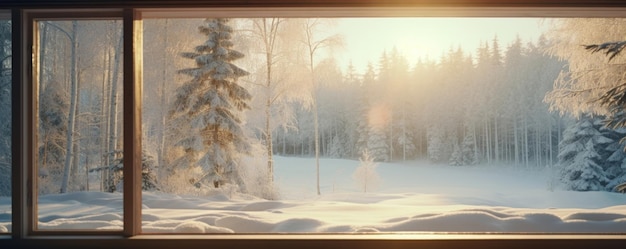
[(505, 104)]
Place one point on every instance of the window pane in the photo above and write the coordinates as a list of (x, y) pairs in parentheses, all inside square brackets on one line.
[(5, 122), (80, 124), (379, 125)]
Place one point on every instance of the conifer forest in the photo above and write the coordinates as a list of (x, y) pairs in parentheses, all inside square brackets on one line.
[(222, 97)]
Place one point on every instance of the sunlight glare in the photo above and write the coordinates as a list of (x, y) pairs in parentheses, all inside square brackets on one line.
[(379, 116)]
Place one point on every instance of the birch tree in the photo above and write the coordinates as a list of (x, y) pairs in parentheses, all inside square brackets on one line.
[(71, 120), (313, 45), (274, 87)]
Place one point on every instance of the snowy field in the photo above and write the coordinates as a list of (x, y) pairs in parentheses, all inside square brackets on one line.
[(410, 197)]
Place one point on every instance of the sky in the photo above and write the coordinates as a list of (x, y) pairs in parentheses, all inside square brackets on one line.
[(365, 39)]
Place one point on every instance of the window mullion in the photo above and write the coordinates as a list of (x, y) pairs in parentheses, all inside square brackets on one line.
[(132, 121), (21, 112)]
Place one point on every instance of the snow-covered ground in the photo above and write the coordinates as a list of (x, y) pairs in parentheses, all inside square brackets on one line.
[(411, 196)]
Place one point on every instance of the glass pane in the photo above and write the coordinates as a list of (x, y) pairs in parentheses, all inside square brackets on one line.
[(380, 125), (5, 122), (80, 125)]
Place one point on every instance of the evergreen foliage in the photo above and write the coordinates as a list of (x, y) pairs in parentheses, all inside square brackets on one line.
[(614, 157), (148, 175), (210, 105), (53, 122), (580, 156), (377, 144), (464, 153), (468, 150), (439, 148), (363, 126), (53, 129), (456, 159)]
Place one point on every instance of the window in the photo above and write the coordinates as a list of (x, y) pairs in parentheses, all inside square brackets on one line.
[(5, 123), (25, 220), (79, 138), (420, 128)]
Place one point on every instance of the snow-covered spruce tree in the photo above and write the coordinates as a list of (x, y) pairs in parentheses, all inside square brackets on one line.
[(438, 148), (365, 175), (615, 168), (579, 157), (148, 173), (336, 148), (619, 179), (468, 150), (148, 176), (614, 157), (456, 159), (212, 103), (53, 128), (405, 140), (584, 173), (464, 153), (363, 126), (377, 144)]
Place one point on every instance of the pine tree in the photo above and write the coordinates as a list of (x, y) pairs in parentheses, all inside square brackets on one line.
[(211, 103), (579, 157)]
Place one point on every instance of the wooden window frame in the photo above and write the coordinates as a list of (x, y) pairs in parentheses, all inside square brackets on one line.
[(24, 233), (32, 31)]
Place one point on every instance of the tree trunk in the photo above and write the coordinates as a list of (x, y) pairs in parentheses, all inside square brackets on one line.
[(42, 56), (404, 135), (72, 111), (268, 131), (525, 142), (516, 142), (537, 147), (550, 142), (113, 123), (495, 140), (391, 134), (217, 169), (488, 138), (317, 146), (475, 141), (77, 139), (104, 125), (162, 122), (284, 140)]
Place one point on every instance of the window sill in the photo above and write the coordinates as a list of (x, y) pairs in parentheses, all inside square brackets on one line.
[(277, 241)]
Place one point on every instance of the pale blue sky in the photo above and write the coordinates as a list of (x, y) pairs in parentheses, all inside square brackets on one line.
[(366, 38)]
